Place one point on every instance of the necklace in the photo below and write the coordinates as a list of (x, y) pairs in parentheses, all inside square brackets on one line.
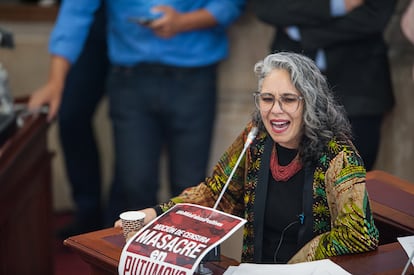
[(283, 173)]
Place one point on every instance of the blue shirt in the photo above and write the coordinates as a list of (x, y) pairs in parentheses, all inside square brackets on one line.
[(130, 43)]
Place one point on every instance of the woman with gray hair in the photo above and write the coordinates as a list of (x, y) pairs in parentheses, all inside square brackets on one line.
[(301, 185)]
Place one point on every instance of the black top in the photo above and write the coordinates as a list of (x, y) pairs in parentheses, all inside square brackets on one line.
[(283, 207)]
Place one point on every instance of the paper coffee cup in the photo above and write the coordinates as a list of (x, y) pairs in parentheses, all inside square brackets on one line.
[(131, 221)]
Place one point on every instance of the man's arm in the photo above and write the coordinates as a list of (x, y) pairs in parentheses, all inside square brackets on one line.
[(371, 18), (65, 44), (283, 13)]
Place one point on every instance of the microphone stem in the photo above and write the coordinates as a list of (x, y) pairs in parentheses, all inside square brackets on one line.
[(408, 263)]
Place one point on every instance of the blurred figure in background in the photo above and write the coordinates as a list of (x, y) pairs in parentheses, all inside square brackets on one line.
[(84, 89), (407, 24), (161, 86), (345, 38)]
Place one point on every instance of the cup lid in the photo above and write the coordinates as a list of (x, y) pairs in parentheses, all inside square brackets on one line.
[(132, 215)]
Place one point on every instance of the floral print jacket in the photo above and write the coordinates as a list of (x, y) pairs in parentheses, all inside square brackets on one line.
[(338, 218)]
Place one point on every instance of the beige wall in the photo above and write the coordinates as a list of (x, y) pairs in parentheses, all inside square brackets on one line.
[(28, 64), (397, 147)]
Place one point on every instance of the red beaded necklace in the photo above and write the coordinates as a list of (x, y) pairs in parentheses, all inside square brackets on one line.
[(284, 173)]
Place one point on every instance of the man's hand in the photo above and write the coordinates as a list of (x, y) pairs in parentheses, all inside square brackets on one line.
[(46, 95), (169, 24), (173, 22), (51, 93)]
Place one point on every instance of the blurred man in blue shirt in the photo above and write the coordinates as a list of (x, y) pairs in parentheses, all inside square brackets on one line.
[(161, 86)]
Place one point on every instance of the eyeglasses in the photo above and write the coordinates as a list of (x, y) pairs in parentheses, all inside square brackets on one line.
[(289, 103)]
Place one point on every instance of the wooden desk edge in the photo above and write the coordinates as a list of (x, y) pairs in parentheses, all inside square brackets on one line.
[(102, 263), (80, 244), (85, 250), (399, 219), (387, 177), (385, 213), (108, 263)]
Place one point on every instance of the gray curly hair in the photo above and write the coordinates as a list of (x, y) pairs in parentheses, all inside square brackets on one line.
[(324, 119)]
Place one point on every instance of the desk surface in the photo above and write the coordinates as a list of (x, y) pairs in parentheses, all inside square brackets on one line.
[(102, 250), (103, 246), (388, 259), (392, 201)]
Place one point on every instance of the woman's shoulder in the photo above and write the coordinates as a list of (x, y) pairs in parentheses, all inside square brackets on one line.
[(342, 163), (335, 146), (342, 149), (345, 152)]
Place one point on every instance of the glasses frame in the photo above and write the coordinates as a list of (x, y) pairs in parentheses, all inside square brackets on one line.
[(256, 96)]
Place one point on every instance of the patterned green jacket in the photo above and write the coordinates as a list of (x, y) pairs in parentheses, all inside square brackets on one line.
[(338, 218)]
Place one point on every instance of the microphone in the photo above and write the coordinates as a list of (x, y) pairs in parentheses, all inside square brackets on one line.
[(250, 137)]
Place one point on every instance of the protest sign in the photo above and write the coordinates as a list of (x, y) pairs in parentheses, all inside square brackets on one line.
[(176, 242)]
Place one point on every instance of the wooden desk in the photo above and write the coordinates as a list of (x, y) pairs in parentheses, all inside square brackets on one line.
[(388, 259), (392, 203), (102, 250), (26, 243)]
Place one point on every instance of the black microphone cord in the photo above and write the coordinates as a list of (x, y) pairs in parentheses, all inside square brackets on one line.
[(281, 240)]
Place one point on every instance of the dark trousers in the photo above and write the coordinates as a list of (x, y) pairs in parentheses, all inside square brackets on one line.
[(154, 109), (84, 88), (367, 137)]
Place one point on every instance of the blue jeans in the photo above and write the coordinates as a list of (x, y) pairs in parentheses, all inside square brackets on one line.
[(156, 108), (84, 88)]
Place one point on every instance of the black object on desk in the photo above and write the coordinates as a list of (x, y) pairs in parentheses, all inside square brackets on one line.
[(7, 126)]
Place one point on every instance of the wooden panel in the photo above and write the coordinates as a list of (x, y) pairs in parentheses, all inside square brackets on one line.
[(392, 203), (26, 202), (28, 12)]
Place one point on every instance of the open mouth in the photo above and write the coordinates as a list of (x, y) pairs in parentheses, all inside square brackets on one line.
[(280, 126)]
